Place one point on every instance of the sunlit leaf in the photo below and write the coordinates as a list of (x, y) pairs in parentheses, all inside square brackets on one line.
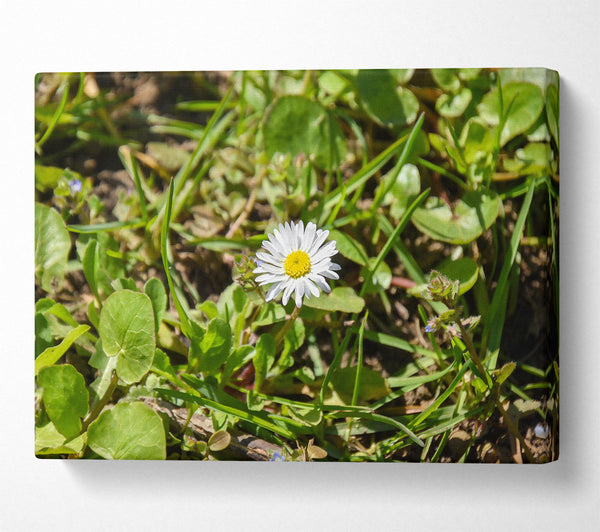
[(522, 101), (471, 216), (127, 331), (65, 397), (129, 431), (52, 246), (342, 298), (464, 270)]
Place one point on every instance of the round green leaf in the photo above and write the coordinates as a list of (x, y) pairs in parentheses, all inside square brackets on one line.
[(65, 397), (130, 431), (342, 298), (472, 215), (49, 441), (295, 124), (446, 78), (464, 270), (387, 103), (403, 75), (524, 103), (453, 105), (127, 331), (52, 246), (534, 157)]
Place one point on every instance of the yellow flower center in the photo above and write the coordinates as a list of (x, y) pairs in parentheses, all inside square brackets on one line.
[(297, 264)]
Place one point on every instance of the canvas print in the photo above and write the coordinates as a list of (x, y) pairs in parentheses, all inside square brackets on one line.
[(320, 265)]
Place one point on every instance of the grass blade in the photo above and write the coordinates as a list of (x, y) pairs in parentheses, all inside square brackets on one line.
[(392, 238), (164, 244), (494, 324)]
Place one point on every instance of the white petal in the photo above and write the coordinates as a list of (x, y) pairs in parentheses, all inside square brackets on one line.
[(309, 236), (265, 257), (280, 241), (265, 267), (329, 274), (318, 267), (273, 292), (288, 292), (267, 278), (299, 293), (299, 234), (319, 281), (321, 236), (326, 251), (273, 249), (312, 287), (275, 241)]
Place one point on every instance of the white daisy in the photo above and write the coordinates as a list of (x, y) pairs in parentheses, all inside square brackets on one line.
[(296, 261)]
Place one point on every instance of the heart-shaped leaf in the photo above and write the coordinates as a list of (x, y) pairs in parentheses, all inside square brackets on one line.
[(295, 125), (453, 105), (130, 431), (127, 331), (522, 104), (384, 100), (472, 215)]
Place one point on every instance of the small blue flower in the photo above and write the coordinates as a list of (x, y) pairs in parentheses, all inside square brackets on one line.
[(429, 328), (277, 457), (75, 186)]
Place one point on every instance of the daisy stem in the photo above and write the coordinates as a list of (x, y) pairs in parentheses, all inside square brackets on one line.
[(287, 326)]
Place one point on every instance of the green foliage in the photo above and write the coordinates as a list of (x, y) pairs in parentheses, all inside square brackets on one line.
[(384, 100), (52, 246), (65, 397), (127, 332), (440, 190), (342, 299), (296, 125), (520, 105), (463, 223), (129, 431), (209, 354)]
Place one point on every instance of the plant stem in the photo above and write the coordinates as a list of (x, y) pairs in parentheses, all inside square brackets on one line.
[(512, 427), (101, 403), (472, 351), (287, 326)]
